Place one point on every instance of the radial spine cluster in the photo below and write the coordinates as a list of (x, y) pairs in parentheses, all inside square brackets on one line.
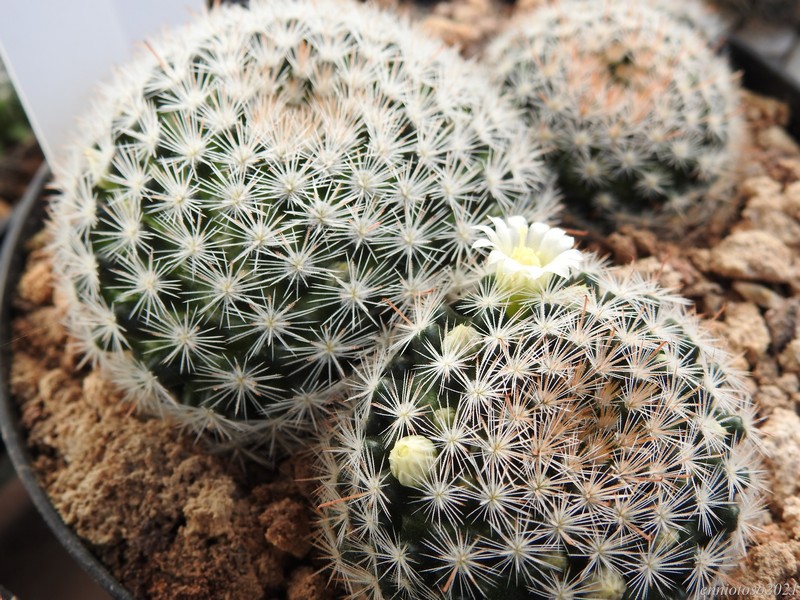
[(589, 442), (636, 112), (255, 199)]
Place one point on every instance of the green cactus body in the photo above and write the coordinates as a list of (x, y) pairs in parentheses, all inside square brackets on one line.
[(636, 113), (593, 444), (254, 200)]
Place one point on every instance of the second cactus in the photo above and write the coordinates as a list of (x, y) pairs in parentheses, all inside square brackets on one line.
[(567, 434), (637, 115)]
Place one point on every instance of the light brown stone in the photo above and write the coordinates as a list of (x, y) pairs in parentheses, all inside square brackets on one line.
[(753, 256), (782, 445), (777, 137), (758, 294), (746, 330)]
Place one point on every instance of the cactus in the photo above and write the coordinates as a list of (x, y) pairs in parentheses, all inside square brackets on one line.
[(636, 113), (254, 200), (568, 434)]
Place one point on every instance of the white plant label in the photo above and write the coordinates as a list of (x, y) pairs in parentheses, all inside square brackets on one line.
[(58, 52)]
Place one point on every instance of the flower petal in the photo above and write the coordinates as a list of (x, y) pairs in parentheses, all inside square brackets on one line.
[(531, 253)]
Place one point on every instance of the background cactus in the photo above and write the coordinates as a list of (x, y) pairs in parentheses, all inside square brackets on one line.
[(247, 196), (587, 442), (637, 114)]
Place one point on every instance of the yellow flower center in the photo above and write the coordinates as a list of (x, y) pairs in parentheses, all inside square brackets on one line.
[(526, 256)]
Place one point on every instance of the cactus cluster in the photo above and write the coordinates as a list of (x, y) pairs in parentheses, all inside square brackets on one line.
[(274, 210), (578, 438), (255, 200), (636, 112)]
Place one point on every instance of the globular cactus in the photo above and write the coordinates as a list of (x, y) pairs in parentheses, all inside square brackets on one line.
[(636, 113), (255, 199), (543, 437)]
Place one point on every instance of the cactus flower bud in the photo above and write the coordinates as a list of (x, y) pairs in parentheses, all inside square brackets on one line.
[(411, 459)]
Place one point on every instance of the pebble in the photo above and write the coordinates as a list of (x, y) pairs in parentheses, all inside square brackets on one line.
[(758, 187), (766, 212), (791, 516), (782, 444), (752, 255), (777, 138), (789, 359), (771, 397), (782, 320), (758, 294), (746, 330), (791, 197), (622, 247), (773, 40), (789, 383)]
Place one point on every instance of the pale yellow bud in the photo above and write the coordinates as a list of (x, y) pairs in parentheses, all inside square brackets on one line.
[(608, 585), (411, 459), (460, 339)]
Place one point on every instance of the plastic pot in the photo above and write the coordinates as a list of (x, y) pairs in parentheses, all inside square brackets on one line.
[(27, 220), (765, 78)]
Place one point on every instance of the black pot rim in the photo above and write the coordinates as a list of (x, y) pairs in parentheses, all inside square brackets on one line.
[(27, 219), (764, 77)]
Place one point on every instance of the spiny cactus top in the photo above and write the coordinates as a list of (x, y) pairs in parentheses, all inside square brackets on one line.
[(256, 198), (636, 112), (568, 438)]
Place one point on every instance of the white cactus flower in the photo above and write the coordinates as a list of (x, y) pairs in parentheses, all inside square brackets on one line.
[(412, 459), (526, 256)]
